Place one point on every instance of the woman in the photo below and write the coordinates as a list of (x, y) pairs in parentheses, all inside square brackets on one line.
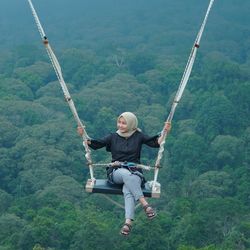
[(125, 146)]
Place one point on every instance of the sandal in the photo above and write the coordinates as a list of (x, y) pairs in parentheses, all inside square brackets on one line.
[(151, 214), (126, 229)]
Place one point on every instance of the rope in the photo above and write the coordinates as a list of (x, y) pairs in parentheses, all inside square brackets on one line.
[(117, 203), (112, 201), (181, 88), (112, 164), (58, 71)]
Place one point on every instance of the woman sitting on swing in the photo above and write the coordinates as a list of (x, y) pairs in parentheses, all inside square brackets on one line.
[(125, 146)]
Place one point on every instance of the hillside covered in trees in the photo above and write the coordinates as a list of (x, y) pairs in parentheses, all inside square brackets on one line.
[(121, 56)]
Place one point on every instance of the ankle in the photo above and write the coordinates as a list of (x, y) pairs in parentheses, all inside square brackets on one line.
[(128, 221), (143, 202)]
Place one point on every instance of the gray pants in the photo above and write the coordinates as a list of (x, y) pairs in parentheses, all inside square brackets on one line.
[(131, 189)]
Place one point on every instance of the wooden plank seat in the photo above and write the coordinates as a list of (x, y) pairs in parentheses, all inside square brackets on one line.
[(104, 187)]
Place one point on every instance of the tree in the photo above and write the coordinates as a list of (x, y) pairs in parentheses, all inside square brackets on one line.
[(51, 89), (8, 132), (35, 179), (105, 121), (212, 184), (36, 75), (211, 247), (216, 117), (23, 113), (11, 229), (8, 170), (227, 150), (239, 96), (187, 151), (120, 93), (155, 233), (140, 63), (61, 188), (5, 201), (52, 227), (11, 88), (97, 229)]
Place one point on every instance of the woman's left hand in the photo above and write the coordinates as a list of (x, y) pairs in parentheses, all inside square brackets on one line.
[(167, 127), (80, 130)]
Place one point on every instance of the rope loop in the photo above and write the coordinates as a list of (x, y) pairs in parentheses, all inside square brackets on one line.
[(58, 71), (182, 85)]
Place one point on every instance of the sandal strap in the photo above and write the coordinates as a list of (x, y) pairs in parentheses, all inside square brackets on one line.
[(128, 225), (149, 211), (126, 228)]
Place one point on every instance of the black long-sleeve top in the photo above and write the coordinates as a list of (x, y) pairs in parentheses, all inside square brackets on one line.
[(125, 149)]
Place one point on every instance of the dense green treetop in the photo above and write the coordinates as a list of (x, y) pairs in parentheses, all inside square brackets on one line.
[(124, 56)]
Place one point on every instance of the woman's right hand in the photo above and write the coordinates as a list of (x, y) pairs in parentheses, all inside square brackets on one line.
[(80, 130), (167, 127)]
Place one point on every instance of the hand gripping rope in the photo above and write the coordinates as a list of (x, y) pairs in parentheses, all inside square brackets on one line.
[(67, 96)]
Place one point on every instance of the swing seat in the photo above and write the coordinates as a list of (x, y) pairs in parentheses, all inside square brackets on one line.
[(102, 186)]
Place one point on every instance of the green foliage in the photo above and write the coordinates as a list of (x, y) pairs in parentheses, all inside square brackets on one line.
[(14, 89), (116, 90), (212, 184), (125, 57), (5, 200), (23, 113), (61, 188), (211, 247), (216, 116), (227, 150), (8, 133), (240, 97), (154, 233), (97, 230), (140, 63), (10, 229), (187, 152)]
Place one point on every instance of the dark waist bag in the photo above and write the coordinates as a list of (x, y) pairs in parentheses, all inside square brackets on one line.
[(131, 168), (109, 174)]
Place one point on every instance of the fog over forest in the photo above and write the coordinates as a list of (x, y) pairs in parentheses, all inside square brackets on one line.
[(91, 24), (121, 56)]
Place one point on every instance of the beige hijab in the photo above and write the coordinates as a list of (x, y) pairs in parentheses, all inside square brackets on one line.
[(132, 124)]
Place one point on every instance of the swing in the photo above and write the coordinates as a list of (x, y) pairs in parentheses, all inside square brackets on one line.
[(151, 188), (104, 186)]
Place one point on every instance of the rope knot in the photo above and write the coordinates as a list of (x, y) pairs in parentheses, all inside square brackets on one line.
[(45, 40), (67, 99), (158, 166)]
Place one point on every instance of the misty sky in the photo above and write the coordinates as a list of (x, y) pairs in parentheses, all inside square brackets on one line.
[(91, 20)]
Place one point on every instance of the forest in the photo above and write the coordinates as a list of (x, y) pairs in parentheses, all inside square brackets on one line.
[(121, 56)]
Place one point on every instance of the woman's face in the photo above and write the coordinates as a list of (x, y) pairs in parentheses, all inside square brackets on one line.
[(122, 125)]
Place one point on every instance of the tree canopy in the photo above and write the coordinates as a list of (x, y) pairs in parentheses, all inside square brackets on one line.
[(121, 56)]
